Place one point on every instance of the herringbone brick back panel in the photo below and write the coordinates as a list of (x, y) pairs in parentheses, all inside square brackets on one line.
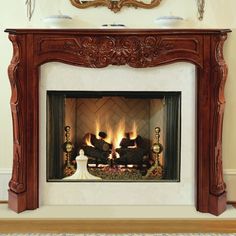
[(108, 112)]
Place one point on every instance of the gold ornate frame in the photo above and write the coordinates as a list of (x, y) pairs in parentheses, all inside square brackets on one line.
[(115, 6)]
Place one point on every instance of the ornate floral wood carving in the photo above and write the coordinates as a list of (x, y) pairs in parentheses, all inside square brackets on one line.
[(136, 48), (115, 6), (135, 51)]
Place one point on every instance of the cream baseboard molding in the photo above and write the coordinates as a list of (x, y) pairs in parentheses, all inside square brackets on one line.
[(229, 176), (5, 171), (5, 176), (229, 171), (230, 180)]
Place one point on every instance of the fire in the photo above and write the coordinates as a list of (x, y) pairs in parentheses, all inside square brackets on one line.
[(97, 128), (133, 134), (87, 140), (108, 139), (114, 136), (120, 133)]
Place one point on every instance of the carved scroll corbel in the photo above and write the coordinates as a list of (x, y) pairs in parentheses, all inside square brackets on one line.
[(17, 182)]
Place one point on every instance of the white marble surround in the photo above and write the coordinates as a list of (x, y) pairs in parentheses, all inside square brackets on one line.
[(174, 77)]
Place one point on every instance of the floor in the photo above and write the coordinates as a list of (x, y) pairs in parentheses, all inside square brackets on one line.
[(116, 219), (98, 234)]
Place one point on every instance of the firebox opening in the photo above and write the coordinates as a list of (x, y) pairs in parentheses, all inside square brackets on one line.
[(125, 136)]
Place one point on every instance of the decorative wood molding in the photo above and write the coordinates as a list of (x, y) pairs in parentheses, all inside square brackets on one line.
[(220, 71), (135, 51), (136, 48), (117, 226), (115, 6), (17, 183)]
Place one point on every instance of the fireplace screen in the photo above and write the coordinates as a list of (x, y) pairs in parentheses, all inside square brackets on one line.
[(113, 136)]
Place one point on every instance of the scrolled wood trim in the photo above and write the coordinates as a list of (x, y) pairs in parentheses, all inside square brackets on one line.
[(219, 76), (138, 51), (17, 183)]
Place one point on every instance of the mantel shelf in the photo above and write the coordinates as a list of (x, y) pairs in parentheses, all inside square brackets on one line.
[(139, 31)]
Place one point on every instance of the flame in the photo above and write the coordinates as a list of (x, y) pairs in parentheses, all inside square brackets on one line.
[(97, 128), (133, 134), (114, 136), (87, 140), (108, 139), (120, 133)]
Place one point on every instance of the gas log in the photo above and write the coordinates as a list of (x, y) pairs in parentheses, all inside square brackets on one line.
[(100, 151), (95, 154), (102, 134), (100, 143), (128, 142), (132, 151), (135, 156)]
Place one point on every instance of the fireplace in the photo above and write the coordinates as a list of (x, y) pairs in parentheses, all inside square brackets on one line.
[(126, 135), (98, 49)]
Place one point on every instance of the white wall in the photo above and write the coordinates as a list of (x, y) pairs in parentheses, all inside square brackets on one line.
[(218, 14)]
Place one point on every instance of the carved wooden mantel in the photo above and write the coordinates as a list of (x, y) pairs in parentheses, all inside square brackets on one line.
[(100, 48)]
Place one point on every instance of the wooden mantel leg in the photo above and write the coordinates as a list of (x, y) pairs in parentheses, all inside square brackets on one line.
[(17, 184), (23, 186), (211, 187), (219, 71)]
